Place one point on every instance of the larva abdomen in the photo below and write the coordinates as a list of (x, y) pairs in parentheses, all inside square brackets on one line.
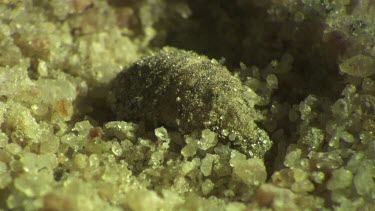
[(183, 90)]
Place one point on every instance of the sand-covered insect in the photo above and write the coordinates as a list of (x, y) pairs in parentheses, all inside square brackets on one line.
[(185, 91)]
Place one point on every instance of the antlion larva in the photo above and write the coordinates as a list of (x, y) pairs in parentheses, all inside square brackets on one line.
[(183, 90)]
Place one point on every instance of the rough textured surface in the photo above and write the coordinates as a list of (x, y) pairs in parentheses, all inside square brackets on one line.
[(60, 148), (183, 90)]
